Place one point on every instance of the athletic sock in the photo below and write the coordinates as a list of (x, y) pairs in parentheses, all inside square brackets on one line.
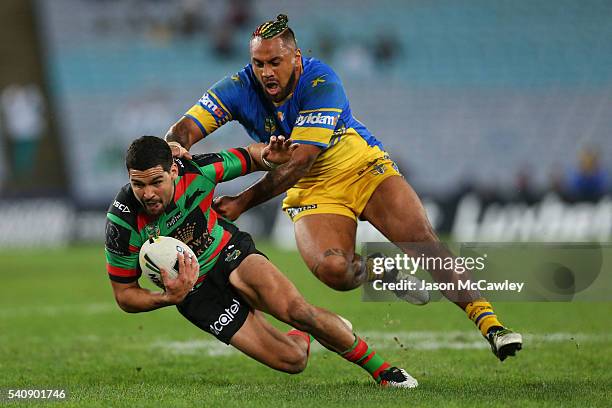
[(482, 314), (304, 335), (362, 355), (367, 265)]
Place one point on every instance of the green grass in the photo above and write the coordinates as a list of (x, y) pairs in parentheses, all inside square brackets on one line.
[(59, 327)]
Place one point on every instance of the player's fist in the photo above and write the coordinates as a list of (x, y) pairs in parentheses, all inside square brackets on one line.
[(176, 289), (228, 206), (179, 151)]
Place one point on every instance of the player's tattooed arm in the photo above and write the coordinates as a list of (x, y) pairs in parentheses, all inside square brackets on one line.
[(184, 133), (281, 179), (272, 184)]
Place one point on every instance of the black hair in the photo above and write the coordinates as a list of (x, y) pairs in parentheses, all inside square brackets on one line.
[(147, 152), (276, 28)]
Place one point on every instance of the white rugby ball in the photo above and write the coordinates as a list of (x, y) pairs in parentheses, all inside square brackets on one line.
[(161, 252)]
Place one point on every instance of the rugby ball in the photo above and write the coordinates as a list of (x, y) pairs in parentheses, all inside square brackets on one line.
[(161, 252)]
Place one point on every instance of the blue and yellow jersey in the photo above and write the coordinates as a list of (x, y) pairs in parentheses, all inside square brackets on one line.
[(317, 113)]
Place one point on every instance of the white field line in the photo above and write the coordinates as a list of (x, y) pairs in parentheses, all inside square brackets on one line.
[(411, 340), (58, 310), (418, 340)]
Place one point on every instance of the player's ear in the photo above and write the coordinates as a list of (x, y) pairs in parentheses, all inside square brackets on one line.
[(298, 59), (173, 171)]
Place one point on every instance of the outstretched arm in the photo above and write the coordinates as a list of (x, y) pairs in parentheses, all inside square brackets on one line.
[(272, 184)]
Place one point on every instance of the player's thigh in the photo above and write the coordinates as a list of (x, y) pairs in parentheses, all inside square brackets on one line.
[(265, 287), (319, 234), (258, 339), (396, 210)]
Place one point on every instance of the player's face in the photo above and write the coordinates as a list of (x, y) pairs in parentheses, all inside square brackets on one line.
[(276, 65), (154, 188)]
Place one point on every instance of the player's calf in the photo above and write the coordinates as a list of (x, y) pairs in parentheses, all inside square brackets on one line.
[(320, 323)]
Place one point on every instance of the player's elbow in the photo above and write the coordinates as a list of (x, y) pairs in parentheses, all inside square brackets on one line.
[(124, 304), (184, 132)]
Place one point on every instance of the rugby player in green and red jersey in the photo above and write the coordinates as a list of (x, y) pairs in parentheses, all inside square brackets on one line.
[(228, 287)]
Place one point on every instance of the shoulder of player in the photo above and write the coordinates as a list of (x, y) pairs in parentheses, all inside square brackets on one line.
[(207, 159), (317, 81), (230, 93), (125, 206), (241, 80), (316, 69), (186, 166)]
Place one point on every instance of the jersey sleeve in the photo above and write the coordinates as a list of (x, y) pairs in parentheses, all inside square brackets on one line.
[(225, 165), (122, 245), (321, 104), (217, 106)]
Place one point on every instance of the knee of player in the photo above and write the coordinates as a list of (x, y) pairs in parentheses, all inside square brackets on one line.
[(294, 361), (336, 273)]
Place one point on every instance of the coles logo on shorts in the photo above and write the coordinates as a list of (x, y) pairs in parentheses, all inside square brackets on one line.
[(225, 318), (293, 211)]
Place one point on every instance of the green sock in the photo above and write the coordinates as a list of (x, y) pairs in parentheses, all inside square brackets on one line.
[(362, 355)]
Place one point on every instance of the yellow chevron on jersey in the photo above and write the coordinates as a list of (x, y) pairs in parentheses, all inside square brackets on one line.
[(313, 135), (209, 113)]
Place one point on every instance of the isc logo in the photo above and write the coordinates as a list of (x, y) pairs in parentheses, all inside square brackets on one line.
[(316, 119), (120, 206)]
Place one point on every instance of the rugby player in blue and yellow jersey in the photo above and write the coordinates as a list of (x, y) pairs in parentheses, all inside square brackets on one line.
[(225, 289), (339, 173)]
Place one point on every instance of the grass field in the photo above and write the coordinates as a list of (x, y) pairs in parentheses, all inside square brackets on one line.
[(60, 328)]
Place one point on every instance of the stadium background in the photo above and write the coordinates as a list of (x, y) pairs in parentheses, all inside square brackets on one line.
[(503, 100), (499, 114)]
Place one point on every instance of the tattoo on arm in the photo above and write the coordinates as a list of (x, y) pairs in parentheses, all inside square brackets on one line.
[(274, 183)]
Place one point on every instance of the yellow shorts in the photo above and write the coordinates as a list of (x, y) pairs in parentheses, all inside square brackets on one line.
[(346, 193)]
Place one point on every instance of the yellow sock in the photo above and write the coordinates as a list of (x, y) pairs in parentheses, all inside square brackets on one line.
[(368, 265), (482, 314)]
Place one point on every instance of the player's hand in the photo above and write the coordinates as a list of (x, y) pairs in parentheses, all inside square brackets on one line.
[(179, 151), (228, 207), (278, 150), (179, 287)]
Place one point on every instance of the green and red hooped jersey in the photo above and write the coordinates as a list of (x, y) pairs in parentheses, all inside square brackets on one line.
[(189, 217)]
